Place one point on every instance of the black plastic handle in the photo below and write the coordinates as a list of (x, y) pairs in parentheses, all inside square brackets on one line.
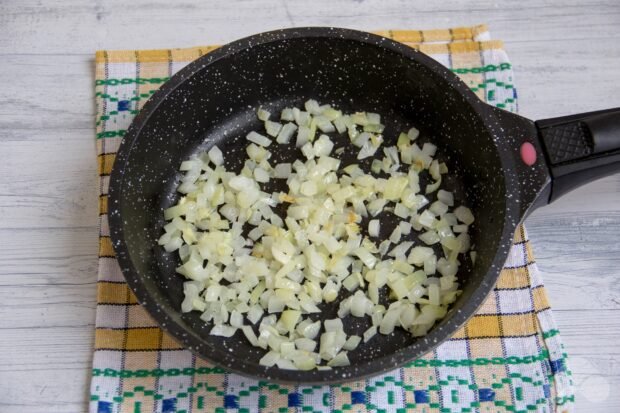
[(580, 148)]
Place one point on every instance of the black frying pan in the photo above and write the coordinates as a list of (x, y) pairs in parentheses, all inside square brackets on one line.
[(502, 164)]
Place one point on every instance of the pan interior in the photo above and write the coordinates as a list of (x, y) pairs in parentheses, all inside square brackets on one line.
[(216, 106)]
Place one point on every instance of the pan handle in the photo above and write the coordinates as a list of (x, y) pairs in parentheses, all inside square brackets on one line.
[(580, 148)]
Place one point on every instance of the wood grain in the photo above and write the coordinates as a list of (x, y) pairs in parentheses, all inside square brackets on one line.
[(565, 55)]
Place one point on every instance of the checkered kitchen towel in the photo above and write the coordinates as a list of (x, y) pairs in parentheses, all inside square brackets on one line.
[(507, 358)]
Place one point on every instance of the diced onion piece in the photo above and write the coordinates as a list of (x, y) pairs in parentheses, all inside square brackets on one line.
[(445, 197), (352, 343), (223, 330), (308, 188), (308, 150), (418, 255), (263, 114), (413, 134), (323, 146), (429, 149), (373, 228), (389, 321), (459, 228), (446, 268), (303, 136), (302, 118), (434, 294), (426, 219), (260, 175), (367, 258), (289, 319), (282, 171), (216, 156), (324, 125), (269, 359), (340, 125), (350, 283), (330, 291), (464, 215), (376, 206), (405, 227), (340, 360), (369, 333), (433, 187), (255, 314), (272, 128), (430, 265), (360, 304), (312, 106), (430, 237), (395, 187), (401, 211), (438, 208), (311, 331), (287, 114), (367, 151), (401, 249), (258, 139), (395, 235), (359, 118), (286, 133), (333, 325)]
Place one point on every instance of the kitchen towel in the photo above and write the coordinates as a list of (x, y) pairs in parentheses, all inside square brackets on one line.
[(507, 358)]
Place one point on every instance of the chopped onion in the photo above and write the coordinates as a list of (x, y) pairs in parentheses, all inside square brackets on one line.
[(323, 146), (282, 170), (287, 114), (272, 128), (430, 237), (373, 228), (413, 134), (312, 106), (464, 215), (260, 175), (216, 156), (405, 227), (438, 208), (303, 136), (263, 114), (395, 187), (352, 343), (445, 197), (339, 360), (370, 333), (258, 139), (286, 133), (279, 272), (223, 330), (269, 359)]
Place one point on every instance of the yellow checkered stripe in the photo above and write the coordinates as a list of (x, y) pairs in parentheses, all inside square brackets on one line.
[(457, 40), (134, 339), (105, 161)]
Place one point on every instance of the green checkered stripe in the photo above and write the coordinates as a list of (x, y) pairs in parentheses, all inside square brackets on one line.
[(391, 385)]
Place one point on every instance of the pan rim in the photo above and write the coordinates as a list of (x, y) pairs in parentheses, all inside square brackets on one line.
[(369, 368)]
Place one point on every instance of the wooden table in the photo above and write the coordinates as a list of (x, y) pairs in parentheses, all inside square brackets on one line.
[(566, 55)]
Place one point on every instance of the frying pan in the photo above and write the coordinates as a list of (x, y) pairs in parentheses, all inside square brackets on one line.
[(501, 165)]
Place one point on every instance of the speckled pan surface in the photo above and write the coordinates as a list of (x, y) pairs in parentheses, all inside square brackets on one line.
[(213, 101)]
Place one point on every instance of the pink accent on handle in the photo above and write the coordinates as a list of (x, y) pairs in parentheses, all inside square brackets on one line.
[(528, 154)]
